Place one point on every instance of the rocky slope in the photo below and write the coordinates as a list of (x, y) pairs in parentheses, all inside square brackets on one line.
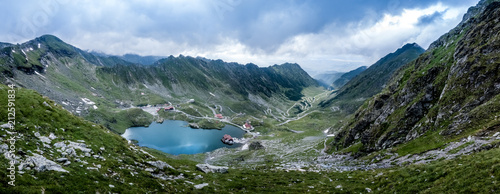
[(449, 92)]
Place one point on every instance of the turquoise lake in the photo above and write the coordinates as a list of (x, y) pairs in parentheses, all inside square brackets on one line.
[(175, 137)]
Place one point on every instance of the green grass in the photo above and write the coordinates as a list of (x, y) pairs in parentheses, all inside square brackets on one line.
[(476, 173), (119, 121), (457, 149)]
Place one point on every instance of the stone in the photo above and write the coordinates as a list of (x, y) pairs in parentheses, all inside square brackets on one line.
[(60, 145), (52, 136), (256, 145), (5, 126), (22, 166), (62, 159), (207, 168), (67, 163), (149, 170), (194, 125), (159, 164), (44, 139), (46, 104), (496, 134), (43, 164), (71, 152), (4, 148), (200, 186)]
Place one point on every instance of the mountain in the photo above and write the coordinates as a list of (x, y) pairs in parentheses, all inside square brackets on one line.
[(91, 85), (449, 92), (372, 80), (346, 77), (144, 60), (326, 79)]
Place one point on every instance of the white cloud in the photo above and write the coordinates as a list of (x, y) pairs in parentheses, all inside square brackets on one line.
[(260, 32)]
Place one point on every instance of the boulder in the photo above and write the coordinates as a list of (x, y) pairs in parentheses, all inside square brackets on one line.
[(5, 126), (62, 159), (159, 164), (256, 145), (52, 136), (194, 125), (43, 164), (200, 186), (207, 168)]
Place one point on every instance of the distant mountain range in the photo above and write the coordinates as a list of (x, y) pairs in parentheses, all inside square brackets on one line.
[(371, 81), (132, 58), (346, 77), (67, 74)]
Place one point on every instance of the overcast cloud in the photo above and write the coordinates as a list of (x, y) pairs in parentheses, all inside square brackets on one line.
[(319, 35)]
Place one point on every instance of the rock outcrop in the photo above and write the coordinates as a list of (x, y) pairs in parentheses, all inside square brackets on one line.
[(207, 168), (41, 164)]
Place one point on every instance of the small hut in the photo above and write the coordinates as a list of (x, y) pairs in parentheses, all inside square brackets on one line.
[(227, 139)]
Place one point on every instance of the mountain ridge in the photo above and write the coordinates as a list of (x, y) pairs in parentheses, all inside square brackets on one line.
[(371, 81), (449, 92), (67, 74)]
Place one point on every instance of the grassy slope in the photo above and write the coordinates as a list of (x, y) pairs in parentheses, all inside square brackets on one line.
[(476, 173)]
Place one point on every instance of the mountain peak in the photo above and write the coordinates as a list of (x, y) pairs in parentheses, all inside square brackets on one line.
[(410, 46)]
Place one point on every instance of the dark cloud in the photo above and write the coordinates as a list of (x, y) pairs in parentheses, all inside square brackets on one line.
[(202, 27), (428, 19)]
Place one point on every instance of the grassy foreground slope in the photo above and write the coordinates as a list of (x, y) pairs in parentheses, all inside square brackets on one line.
[(120, 167)]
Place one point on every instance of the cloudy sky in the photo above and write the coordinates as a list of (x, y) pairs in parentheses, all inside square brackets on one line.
[(320, 35)]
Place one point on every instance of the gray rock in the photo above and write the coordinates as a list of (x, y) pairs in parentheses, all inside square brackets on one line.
[(46, 104), (149, 170), (62, 159), (52, 136), (256, 145), (44, 139), (4, 148), (159, 164), (43, 164), (60, 145), (22, 166), (71, 152), (207, 168), (200, 186), (194, 125), (5, 126), (67, 163)]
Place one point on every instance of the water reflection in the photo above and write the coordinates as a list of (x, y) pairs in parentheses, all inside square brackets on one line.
[(174, 137)]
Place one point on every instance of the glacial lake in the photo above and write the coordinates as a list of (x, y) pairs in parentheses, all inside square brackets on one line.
[(176, 137)]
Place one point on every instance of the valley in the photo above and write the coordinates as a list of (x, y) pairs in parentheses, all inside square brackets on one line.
[(416, 121)]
